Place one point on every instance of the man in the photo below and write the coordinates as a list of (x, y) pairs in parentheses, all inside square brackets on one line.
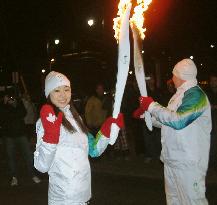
[(95, 115), (14, 132), (185, 129)]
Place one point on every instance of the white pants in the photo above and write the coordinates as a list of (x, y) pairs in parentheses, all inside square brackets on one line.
[(184, 186), (66, 203), (76, 203)]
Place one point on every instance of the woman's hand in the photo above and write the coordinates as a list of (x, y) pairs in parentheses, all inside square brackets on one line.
[(106, 127), (51, 124)]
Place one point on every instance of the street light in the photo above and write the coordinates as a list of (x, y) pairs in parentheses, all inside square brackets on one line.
[(90, 22), (50, 50), (56, 41), (50, 63)]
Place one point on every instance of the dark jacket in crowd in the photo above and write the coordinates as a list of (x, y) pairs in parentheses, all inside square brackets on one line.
[(12, 121)]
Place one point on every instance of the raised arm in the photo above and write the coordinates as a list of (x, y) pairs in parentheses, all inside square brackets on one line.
[(193, 105), (48, 133)]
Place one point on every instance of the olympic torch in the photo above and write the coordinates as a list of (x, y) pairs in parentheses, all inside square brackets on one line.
[(121, 24), (136, 23)]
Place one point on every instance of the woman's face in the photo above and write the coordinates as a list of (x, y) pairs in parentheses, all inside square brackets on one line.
[(61, 96)]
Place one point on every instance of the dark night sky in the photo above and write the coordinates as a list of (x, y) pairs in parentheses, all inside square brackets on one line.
[(180, 28)]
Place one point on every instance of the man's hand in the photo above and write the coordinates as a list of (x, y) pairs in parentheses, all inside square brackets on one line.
[(145, 102), (138, 113)]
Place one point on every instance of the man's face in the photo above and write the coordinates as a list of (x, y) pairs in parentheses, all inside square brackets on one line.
[(177, 81), (100, 90), (213, 82)]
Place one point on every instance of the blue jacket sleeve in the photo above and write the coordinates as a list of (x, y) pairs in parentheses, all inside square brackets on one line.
[(97, 145)]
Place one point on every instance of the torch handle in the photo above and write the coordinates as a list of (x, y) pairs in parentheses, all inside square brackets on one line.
[(114, 133), (139, 70)]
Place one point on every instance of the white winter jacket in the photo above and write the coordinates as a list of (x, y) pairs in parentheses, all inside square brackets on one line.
[(186, 126), (67, 162)]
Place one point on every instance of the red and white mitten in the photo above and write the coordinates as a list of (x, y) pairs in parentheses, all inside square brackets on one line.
[(51, 124), (138, 112), (145, 102), (106, 127)]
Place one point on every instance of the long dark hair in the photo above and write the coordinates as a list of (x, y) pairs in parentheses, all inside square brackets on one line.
[(75, 115)]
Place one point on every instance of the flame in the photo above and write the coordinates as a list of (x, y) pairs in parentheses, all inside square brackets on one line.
[(138, 16), (122, 6), (136, 20)]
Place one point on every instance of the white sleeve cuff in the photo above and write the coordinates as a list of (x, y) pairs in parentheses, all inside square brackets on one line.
[(151, 106)]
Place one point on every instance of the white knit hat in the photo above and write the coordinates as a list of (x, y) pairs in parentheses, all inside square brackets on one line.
[(185, 70), (54, 80)]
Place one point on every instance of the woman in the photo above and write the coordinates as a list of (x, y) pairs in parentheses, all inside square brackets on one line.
[(63, 144)]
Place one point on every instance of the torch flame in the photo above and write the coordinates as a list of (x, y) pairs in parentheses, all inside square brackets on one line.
[(122, 6), (136, 20), (138, 16)]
